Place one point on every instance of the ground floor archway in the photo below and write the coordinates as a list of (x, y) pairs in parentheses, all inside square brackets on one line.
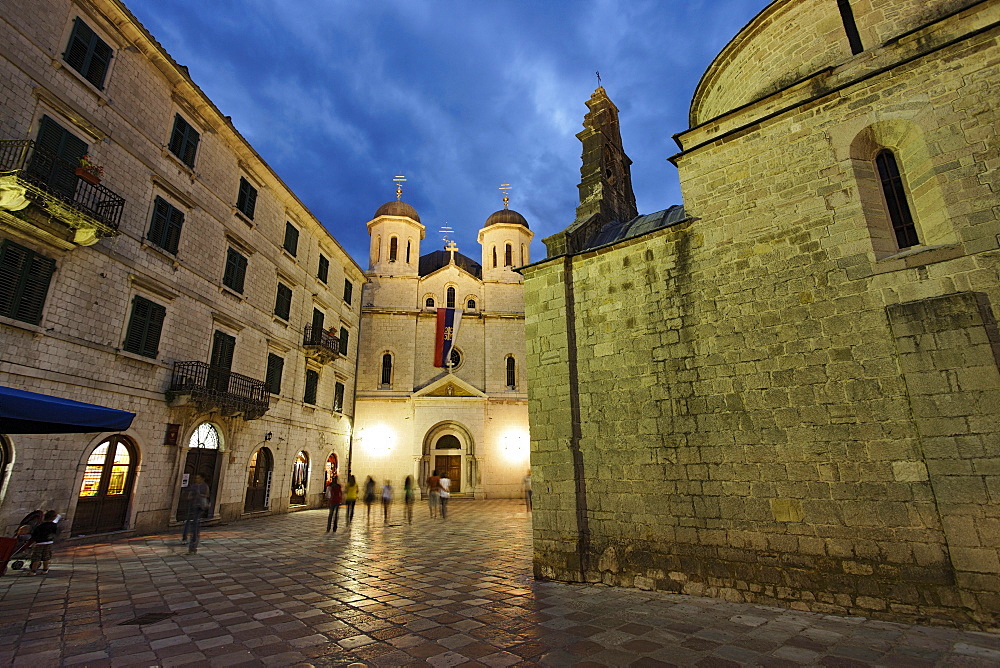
[(203, 457), (259, 481), (106, 491)]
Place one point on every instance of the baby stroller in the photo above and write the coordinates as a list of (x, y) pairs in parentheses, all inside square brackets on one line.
[(21, 542)]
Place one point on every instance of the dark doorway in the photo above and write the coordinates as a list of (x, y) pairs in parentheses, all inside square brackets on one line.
[(259, 481), (450, 466), (106, 491), (202, 458)]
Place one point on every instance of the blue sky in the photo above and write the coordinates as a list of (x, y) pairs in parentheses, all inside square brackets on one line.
[(340, 96)]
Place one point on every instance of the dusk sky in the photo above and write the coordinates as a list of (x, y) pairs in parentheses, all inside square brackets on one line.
[(339, 97)]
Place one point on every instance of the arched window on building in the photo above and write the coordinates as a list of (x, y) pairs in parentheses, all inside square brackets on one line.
[(429, 302), (393, 248), (508, 256), (407, 252), (386, 370), (895, 199), (451, 298), (524, 254), (471, 304), (494, 256), (377, 250), (511, 373)]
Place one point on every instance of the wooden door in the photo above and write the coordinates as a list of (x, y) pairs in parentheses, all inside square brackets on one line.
[(203, 461), (259, 481), (450, 466), (106, 491)]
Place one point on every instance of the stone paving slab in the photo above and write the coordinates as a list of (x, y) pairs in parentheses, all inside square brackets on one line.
[(279, 591)]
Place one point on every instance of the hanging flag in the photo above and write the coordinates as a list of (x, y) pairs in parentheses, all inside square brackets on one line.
[(448, 320)]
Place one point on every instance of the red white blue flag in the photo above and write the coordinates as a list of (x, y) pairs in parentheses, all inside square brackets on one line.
[(448, 320)]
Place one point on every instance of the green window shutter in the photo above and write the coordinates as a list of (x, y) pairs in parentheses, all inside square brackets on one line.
[(88, 54), (275, 366), (246, 201), (348, 291), (343, 341), (184, 141), (24, 282), (144, 327), (223, 347), (338, 397), (291, 243), (55, 157), (323, 273), (236, 270), (165, 227), (283, 302), (312, 383)]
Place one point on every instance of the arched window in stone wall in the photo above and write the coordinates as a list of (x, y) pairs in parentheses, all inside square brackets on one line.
[(450, 302), (386, 370), (393, 248), (377, 250), (508, 256), (524, 254), (511, 373), (407, 251), (494, 257), (894, 195), (429, 302)]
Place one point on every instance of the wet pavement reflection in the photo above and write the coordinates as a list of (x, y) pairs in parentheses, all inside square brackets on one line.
[(279, 591)]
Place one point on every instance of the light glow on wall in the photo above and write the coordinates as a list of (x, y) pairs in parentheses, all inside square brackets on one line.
[(377, 440), (516, 445)]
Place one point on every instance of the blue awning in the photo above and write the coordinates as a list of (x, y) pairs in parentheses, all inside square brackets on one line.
[(32, 413)]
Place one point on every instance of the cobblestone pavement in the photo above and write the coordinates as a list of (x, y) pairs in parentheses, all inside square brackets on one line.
[(280, 591)]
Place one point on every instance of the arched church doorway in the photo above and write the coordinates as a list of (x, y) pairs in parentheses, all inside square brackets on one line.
[(300, 479), (106, 490), (448, 460), (259, 481), (202, 459), (450, 449)]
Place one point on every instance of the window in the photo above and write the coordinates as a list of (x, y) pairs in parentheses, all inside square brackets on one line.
[(343, 341), (57, 152), (407, 252), (291, 243), (471, 305), (184, 141), (165, 228), (429, 303), (524, 254), (511, 373), (88, 54), (378, 250), (323, 273), (508, 256), (236, 271), (393, 248), (494, 256), (246, 201), (387, 369), (272, 379), (24, 282), (450, 300), (895, 199), (456, 358), (348, 291), (144, 327), (283, 302), (312, 383), (338, 397)]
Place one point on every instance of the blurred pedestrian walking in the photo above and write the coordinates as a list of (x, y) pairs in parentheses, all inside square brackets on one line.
[(197, 500), (434, 493), (387, 494), (350, 496), (527, 490), (334, 497), (369, 498), (445, 494), (409, 495)]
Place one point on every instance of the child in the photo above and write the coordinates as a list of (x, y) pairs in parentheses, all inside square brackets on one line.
[(44, 534)]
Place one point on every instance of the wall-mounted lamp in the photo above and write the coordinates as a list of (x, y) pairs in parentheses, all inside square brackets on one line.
[(267, 436)]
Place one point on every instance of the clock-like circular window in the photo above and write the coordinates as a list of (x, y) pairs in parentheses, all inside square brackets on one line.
[(456, 358)]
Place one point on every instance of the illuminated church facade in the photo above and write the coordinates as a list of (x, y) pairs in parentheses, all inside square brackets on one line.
[(470, 420)]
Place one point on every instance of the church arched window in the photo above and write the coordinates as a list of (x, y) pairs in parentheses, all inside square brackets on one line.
[(511, 373), (494, 256), (407, 252), (524, 254), (508, 256), (451, 298), (393, 248), (377, 250), (386, 369), (895, 199), (429, 302), (471, 304)]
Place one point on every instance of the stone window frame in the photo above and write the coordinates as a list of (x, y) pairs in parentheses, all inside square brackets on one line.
[(430, 301), (182, 145), (89, 76), (393, 248), (451, 297), (510, 368), (387, 370)]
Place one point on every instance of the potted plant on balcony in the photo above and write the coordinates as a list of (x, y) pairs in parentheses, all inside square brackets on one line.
[(88, 171)]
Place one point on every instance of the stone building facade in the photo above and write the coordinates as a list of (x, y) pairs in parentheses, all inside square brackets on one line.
[(413, 417), (190, 286), (787, 390)]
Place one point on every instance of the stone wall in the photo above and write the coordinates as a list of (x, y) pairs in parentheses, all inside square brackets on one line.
[(764, 404)]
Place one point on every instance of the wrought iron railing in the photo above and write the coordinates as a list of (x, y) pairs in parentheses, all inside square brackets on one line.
[(57, 176), (220, 388), (318, 337)]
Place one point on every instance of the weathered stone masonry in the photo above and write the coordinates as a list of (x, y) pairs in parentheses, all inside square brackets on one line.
[(776, 403)]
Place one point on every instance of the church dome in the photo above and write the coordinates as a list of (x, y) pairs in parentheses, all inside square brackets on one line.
[(508, 216), (397, 208)]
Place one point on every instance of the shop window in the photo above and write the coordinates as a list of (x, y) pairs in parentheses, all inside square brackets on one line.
[(24, 282), (184, 141), (144, 327), (165, 227), (88, 54), (300, 479), (236, 271)]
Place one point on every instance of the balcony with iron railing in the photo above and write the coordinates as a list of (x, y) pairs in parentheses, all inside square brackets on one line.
[(45, 194), (213, 388), (320, 344)]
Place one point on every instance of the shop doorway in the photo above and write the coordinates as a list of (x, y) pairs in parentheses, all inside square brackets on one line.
[(106, 491), (300, 479), (450, 466), (259, 482), (202, 458), (332, 470)]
